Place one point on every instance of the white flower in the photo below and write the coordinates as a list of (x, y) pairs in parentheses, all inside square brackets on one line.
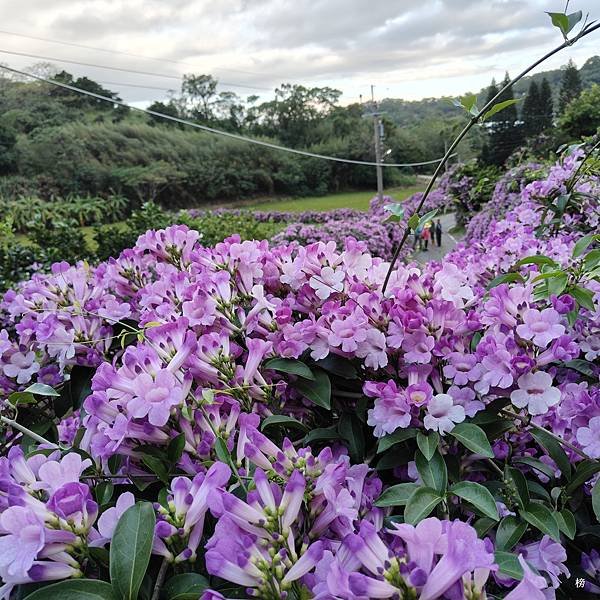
[(442, 414), (536, 393), (452, 285), (327, 282)]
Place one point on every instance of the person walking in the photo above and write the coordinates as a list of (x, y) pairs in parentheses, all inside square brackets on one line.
[(418, 239), (438, 233), (426, 236)]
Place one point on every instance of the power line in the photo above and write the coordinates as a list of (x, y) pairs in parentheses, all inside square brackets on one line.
[(131, 54), (234, 136), (122, 70)]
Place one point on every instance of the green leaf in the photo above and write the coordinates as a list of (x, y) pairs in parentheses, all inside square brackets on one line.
[(560, 20), (104, 492), (222, 451), (420, 504), (566, 522), (592, 259), (290, 365), (596, 499), (586, 469), (478, 496), (573, 19), (506, 278), (185, 586), (427, 217), (317, 391), (351, 430), (400, 435), (21, 398), (542, 518), (41, 389), (338, 365), (321, 434), (499, 106), (584, 297), (397, 495), (130, 549), (396, 211), (580, 247), (434, 472), (554, 450), (518, 484), (556, 285), (483, 525), (413, 222), (536, 464), (75, 589), (508, 564), (283, 421), (175, 448), (473, 437), (157, 467), (538, 259), (582, 366), (428, 443), (509, 532)]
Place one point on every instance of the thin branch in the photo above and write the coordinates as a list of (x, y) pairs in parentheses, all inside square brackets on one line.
[(28, 432), (585, 31), (160, 579)]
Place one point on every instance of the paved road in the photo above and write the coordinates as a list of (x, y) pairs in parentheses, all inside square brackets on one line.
[(448, 242)]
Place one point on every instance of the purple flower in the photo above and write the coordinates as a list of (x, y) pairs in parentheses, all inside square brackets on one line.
[(589, 437), (417, 347), (442, 414), (107, 522), (391, 409), (23, 536), (155, 397), (73, 503), (535, 393), (530, 586), (547, 556), (541, 326), (327, 282)]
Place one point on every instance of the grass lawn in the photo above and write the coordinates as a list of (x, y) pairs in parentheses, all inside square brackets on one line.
[(357, 200)]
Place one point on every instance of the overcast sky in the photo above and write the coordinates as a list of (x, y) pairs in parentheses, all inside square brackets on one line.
[(407, 48)]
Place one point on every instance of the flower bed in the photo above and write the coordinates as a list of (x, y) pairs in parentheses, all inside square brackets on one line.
[(260, 420)]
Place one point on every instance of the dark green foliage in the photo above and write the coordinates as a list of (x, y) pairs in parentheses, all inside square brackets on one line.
[(582, 115), (8, 139), (529, 114), (504, 132), (570, 87), (546, 105)]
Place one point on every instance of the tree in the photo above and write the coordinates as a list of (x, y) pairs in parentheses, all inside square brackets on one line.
[(582, 115), (530, 113), (168, 108), (7, 143), (546, 105), (570, 87), (198, 97), (505, 133)]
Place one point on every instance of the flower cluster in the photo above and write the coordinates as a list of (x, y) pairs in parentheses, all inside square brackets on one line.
[(295, 426)]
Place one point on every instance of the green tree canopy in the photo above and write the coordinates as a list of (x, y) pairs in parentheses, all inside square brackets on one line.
[(570, 87), (582, 115)]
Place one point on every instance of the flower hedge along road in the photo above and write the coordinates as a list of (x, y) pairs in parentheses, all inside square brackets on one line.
[(260, 421)]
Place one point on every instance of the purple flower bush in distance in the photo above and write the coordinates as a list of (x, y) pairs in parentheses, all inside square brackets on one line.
[(257, 419)]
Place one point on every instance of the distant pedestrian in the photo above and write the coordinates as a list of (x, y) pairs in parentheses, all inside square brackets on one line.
[(438, 233), (417, 238), (425, 237)]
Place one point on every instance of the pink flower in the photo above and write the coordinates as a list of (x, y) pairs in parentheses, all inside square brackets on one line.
[(418, 347), (391, 409), (536, 393), (541, 326), (589, 438), (155, 396), (442, 414), (328, 282)]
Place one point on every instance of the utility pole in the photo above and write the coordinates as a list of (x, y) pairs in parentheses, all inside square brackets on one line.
[(378, 135)]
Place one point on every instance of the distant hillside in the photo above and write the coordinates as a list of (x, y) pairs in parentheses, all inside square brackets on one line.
[(407, 113)]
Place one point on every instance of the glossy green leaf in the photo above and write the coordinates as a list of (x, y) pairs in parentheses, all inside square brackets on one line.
[(582, 244), (583, 296), (396, 495), (509, 532), (596, 499), (413, 222), (433, 472), (542, 518), (317, 391), (473, 437), (554, 450), (517, 484), (290, 365), (400, 435), (322, 434), (427, 217), (499, 107), (338, 366), (428, 443), (282, 421), (559, 20), (185, 586), (157, 467), (535, 463), (41, 389), (175, 448), (351, 430), (104, 492), (506, 278), (21, 398), (537, 259), (420, 504), (478, 496), (75, 589), (508, 564), (566, 522), (130, 549)]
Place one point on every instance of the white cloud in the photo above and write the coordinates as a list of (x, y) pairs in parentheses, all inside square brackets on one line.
[(408, 48)]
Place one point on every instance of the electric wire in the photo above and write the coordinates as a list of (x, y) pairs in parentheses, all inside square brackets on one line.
[(123, 70), (213, 130)]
